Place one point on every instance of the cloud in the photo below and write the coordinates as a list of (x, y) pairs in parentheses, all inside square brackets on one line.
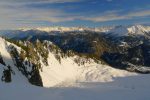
[(15, 13), (139, 13), (12, 17), (114, 15)]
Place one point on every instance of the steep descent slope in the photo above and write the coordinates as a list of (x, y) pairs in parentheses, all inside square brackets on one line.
[(53, 67), (16, 76), (68, 72)]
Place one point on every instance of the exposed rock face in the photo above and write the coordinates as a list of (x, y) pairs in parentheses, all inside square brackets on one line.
[(36, 78), (6, 77), (22, 57), (31, 57), (1, 60)]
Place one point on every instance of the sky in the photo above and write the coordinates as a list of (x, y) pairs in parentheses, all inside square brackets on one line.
[(89, 13)]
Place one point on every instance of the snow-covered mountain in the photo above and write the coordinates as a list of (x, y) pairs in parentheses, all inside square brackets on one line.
[(71, 77), (26, 63), (117, 31), (120, 30), (128, 44), (131, 88), (91, 63), (136, 30)]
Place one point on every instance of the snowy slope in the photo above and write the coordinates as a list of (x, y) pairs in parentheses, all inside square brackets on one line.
[(65, 72), (17, 76), (68, 72), (127, 88), (138, 29)]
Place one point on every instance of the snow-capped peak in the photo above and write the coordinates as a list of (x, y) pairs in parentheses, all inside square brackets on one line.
[(137, 29), (132, 30)]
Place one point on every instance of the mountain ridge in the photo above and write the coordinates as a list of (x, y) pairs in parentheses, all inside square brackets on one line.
[(53, 69)]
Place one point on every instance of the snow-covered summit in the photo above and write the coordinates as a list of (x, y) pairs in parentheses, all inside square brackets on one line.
[(130, 30), (138, 29)]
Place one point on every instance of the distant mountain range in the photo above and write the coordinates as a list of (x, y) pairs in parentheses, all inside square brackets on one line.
[(115, 30)]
